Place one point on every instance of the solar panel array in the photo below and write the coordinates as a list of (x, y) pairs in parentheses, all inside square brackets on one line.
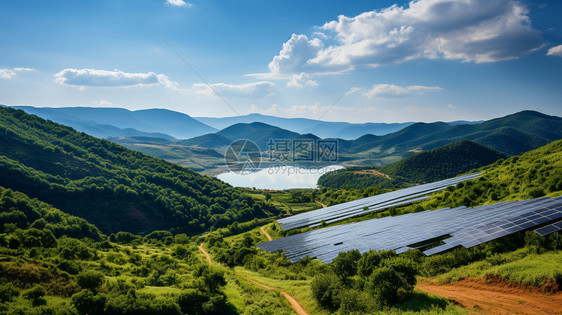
[(454, 227), (362, 206)]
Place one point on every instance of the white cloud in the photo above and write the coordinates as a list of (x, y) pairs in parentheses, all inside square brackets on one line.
[(254, 89), (10, 73), (295, 55), (352, 90), (555, 51), (451, 106), (390, 90), (115, 78), (179, 3), (302, 80), (468, 30), (103, 103)]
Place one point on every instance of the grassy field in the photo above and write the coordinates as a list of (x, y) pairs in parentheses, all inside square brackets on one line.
[(523, 266)]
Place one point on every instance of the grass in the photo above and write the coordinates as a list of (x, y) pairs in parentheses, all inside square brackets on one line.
[(419, 302), (299, 289), (521, 266), (234, 293)]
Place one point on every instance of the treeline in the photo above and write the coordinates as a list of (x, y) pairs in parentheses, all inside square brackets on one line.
[(443, 162), (113, 187), (533, 174), (429, 166)]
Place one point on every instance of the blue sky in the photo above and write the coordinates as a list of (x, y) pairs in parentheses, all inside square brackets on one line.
[(427, 60)]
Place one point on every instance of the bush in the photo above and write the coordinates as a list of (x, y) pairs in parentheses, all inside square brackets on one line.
[(34, 293), (141, 304), (8, 292), (90, 280), (345, 264), (87, 303), (324, 288)]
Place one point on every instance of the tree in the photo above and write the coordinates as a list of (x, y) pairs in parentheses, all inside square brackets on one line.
[(90, 280), (36, 295), (324, 289), (213, 279), (345, 264), (87, 302)]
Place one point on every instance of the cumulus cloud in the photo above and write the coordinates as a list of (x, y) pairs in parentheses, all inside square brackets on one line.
[(469, 31), (302, 80), (296, 54), (390, 90), (10, 73), (555, 51), (178, 3), (114, 78), (254, 89)]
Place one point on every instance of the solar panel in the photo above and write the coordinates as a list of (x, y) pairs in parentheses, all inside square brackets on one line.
[(455, 227), (354, 208), (549, 229)]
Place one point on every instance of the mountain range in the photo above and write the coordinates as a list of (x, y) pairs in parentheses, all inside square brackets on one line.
[(323, 129), (510, 135), (120, 122), (155, 131)]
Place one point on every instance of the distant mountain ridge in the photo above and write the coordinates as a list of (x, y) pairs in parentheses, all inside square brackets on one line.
[(107, 122), (510, 135), (323, 129)]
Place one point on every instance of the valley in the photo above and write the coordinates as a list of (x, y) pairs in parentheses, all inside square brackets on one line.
[(200, 254)]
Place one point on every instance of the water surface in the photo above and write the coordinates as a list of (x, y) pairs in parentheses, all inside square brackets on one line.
[(278, 177)]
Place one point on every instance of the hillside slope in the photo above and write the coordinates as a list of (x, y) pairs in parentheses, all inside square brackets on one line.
[(260, 133), (444, 162), (110, 186)]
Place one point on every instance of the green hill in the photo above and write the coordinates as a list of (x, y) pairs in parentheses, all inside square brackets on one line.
[(211, 140), (113, 187), (260, 133), (530, 175), (444, 162), (18, 211)]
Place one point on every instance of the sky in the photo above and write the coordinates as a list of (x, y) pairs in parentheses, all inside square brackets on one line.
[(355, 61)]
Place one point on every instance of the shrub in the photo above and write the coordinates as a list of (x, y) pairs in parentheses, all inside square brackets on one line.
[(345, 264), (8, 292), (324, 288), (87, 302), (90, 280)]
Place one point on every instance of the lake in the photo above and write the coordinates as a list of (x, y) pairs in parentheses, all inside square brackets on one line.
[(278, 177)]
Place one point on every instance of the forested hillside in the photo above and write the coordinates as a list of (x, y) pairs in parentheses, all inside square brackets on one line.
[(444, 162), (114, 188)]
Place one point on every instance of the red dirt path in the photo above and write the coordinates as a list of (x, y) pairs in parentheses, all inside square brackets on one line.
[(479, 297)]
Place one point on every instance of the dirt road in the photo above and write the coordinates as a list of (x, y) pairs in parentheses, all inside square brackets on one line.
[(264, 232), (206, 254), (318, 202), (294, 303), (478, 297)]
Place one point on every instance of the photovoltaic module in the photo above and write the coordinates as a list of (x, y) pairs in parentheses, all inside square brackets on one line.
[(454, 227), (375, 203)]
